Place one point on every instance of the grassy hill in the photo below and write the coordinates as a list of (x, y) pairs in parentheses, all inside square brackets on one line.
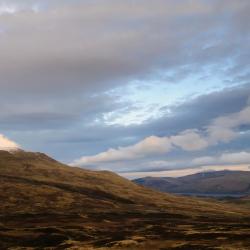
[(48, 205)]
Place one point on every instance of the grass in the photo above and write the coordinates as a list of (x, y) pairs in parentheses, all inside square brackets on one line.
[(48, 205)]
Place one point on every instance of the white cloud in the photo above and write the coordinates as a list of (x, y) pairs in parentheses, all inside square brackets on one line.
[(242, 157), (15, 7), (8, 9), (221, 130), (189, 140), (234, 120), (7, 144), (203, 160), (64, 54), (152, 145), (239, 157)]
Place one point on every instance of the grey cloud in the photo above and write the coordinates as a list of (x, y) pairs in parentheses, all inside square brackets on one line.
[(93, 47), (55, 114), (220, 130), (200, 110), (53, 61), (89, 139), (107, 43), (241, 157)]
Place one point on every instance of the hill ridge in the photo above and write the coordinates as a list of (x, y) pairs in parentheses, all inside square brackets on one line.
[(48, 205), (216, 182)]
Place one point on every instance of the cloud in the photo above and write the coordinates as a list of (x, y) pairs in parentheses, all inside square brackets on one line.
[(62, 62), (189, 140), (195, 112), (238, 157), (204, 160), (152, 145), (235, 161), (81, 47), (13, 7), (234, 120), (242, 157), (7, 9), (221, 130), (7, 144)]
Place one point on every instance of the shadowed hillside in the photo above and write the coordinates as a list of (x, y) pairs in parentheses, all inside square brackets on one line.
[(49, 205)]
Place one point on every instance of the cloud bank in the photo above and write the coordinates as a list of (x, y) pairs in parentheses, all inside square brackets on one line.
[(131, 85), (226, 158), (220, 130)]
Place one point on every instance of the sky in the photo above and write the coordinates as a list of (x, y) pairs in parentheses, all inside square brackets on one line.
[(138, 87)]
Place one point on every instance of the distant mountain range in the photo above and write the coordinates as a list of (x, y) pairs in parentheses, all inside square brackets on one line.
[(205, 183)]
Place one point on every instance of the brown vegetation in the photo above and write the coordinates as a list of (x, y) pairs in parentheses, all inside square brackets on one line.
[(48, 205)]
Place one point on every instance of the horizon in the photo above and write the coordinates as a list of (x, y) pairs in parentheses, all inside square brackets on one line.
[(166, 173), (132, 87)]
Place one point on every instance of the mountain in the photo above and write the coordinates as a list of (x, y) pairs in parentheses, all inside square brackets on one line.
[(48, 205), (214, 182)]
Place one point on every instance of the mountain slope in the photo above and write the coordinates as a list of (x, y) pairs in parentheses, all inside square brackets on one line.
[(216, 182), (47, 204), (58, 186)]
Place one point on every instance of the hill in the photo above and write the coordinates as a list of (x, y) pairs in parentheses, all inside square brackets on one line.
[(48, 205), (214, 183)]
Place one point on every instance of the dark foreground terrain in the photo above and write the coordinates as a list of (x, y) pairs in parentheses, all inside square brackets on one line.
[(149, 230), (47, 205)]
